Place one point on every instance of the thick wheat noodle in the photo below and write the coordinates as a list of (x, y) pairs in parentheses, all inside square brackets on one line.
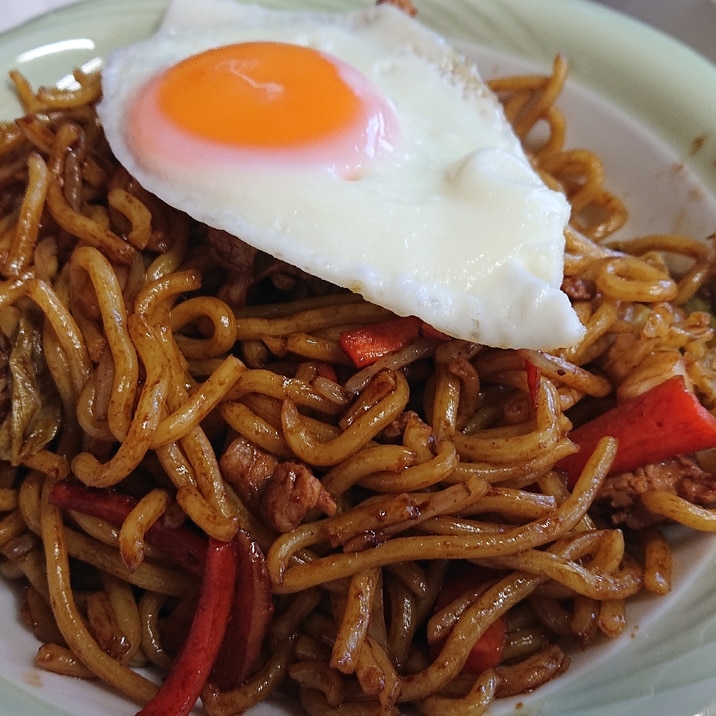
[(266, 382), (99, 530), (61, 660), (403, 622), (12, 289), (155, 299), (131, 535), (353, 627), (114, 320), (474, 703), (65, 328), (260, 431), (316, 347), (493, 445), (257, 688), (368, 461), (303, 444), (210, 502), (289, 621), (201, 402), (32, 565), (303, 307), (596, 324), (559, 368), (657, 561), (387, 514), (422, 348), (126, 613), (85, 228), (49, 463), (610, 550), (445, 401), (611, 619), (11, 138), (550, 528), (93, 403), (144, 422), (139, 216), (557, 133), (270, 410), (11, 526), (132, 355), (176, 466), (20, 253), (169, 261), (581, 162), (551, 484), (515, 503), (522, 641), (376, 673), (633, 280), (205, 513), (315, 703), (532, 111), (449, 525), (148, 576), (534, 671), (680, 510), (149, 607), (24, 92), (493, 602), (321, 677), (440, 624), (223, 321), (205, 465), (59, 98), (572, 575), (68, 617), (518, 473), (418, 477), (692, 279), (310, 320), (8, 499), (149, 302)]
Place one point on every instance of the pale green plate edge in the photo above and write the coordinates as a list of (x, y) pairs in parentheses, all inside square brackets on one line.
[(668, 88)]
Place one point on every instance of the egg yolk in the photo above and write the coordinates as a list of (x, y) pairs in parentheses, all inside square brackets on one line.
[(269, 98)]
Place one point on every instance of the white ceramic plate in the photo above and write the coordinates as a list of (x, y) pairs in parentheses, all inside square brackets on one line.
[(648, 105)]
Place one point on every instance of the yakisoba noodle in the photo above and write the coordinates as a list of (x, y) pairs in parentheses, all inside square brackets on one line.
[(133, 364)]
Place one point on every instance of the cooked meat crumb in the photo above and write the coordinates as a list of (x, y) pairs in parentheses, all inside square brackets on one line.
[(282, 493), (682, 476)]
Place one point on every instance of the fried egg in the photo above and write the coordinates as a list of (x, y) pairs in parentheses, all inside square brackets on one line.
[(357, 146)]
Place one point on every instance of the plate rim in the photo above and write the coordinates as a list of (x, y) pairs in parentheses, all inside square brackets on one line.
[(672, 63), (597, 17)]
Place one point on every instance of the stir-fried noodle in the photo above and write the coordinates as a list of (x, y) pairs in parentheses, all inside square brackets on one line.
[(166, 420)]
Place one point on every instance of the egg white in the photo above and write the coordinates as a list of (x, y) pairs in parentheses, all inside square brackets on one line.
[(453, 225)]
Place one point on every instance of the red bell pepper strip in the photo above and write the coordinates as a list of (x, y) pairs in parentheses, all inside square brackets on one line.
[(486, 652), (252, 598), (326, 370), (366, 344), (250, 617), (657, 425), (427, 331), (190, 669), (183, 547)]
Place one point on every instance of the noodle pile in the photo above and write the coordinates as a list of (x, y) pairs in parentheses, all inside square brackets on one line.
[(135, 363)]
